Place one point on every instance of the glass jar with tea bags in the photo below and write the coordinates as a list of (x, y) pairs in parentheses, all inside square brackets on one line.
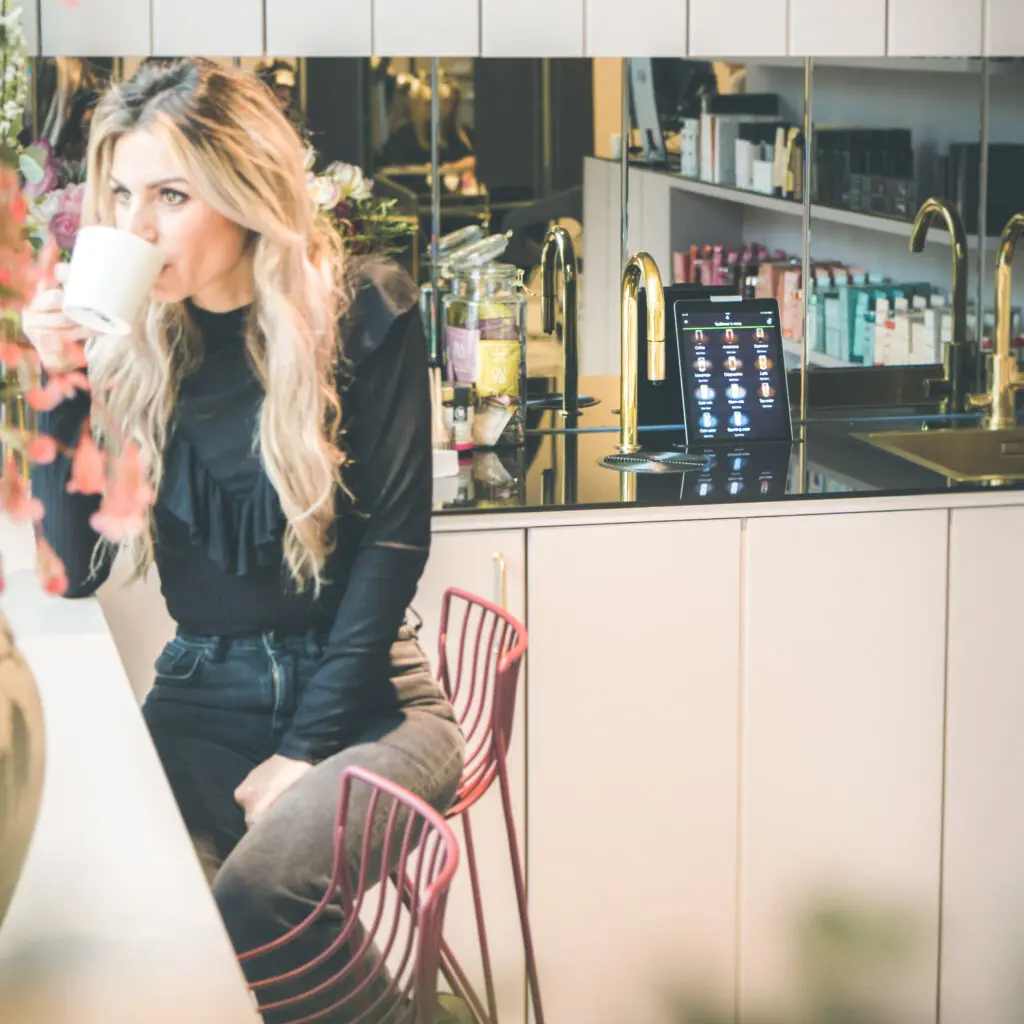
[(485, 336), (461, 249)]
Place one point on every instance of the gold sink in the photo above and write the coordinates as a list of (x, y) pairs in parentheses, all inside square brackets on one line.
[(963, 455)]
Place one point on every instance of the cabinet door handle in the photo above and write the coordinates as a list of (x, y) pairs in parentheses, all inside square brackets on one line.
[(500, 580)]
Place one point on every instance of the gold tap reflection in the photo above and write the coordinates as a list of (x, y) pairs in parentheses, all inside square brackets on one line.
[(558, 251), (954, 385), (1006, 378), (640, 270)]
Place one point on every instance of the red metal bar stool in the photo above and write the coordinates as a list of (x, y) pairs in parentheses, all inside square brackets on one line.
[(481, 651), (390, 973)]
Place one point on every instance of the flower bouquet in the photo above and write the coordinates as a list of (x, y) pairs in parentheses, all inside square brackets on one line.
[(121, 481), (344, 195), (39, 212), (54, 190)]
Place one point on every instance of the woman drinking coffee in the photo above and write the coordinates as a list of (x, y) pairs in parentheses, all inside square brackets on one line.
[(279, 395)]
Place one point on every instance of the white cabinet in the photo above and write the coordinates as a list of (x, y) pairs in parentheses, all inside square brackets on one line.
[(633, 755), (1004, 28), (935, 28), (94, 28), (817, 29), (227, 28), (842, 747), (468, 560), (646, 28), (983, 866), (440, 28), (738, 28), (531, 28), (319, 28)]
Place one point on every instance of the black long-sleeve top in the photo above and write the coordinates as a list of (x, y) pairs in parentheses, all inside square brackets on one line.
[(219, 526)]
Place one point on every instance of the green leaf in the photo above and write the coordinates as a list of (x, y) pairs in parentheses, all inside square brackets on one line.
[(32, 170)]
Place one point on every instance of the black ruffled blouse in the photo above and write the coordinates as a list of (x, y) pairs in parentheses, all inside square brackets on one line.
[(219, 523)]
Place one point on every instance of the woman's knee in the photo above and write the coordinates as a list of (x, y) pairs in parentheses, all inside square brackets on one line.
[(263, 892)]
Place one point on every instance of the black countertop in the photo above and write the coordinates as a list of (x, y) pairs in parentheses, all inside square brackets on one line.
[(559, 469)]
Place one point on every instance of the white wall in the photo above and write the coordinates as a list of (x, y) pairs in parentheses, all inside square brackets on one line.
[(529, 28)]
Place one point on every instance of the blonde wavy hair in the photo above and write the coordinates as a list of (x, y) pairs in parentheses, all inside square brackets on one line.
[(247, 162)]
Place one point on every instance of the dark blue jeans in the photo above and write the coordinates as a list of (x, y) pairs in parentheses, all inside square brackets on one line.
[(218, 708)]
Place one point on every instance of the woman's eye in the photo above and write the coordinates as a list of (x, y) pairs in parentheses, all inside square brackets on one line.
[(172, 197), (120, 193)]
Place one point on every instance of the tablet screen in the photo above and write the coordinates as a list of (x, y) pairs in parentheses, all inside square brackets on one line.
[(732, 371)]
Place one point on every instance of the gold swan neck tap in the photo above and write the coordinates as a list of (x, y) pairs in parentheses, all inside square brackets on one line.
[(955, 384), (1006, 377), (640, 270), (558, 251)]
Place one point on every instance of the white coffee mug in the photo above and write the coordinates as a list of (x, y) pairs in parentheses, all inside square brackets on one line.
[(110, 275)]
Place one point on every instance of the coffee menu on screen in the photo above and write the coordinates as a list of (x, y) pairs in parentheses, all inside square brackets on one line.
[(732, 372)]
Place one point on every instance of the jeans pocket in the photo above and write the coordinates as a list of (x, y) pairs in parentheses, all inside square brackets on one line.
[(178, 663)]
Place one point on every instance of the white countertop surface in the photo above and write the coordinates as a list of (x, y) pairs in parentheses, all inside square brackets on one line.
[(112, 921)]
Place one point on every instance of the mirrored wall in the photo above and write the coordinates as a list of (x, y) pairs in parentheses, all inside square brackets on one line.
[(785, 178), (798, 180)]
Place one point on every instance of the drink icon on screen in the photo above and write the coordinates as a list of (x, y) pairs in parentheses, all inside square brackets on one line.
[(764, 363), (765, 390), (702, 364), (704, 488), (738, 418), (698, 337), (705, 393), (734, 365), (736, 392), (730, 334), (708, 421), (759, 334), (735, 486)]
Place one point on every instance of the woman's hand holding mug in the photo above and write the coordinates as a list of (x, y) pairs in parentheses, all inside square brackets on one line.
[(51, 332)]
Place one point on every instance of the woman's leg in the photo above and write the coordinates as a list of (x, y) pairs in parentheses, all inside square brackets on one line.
[(210, 718), (281, 868), (203, 775)]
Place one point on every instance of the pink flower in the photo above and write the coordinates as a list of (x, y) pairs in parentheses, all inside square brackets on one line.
[(14, 354), (88, 467), (41, 449), (122, 513), (65, 223), (50, 569), (59, 387), (15, 498)]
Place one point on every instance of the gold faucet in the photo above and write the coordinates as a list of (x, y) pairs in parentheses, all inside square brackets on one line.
[(953, 386), (558, 251), (1006, 377), (641, 268)]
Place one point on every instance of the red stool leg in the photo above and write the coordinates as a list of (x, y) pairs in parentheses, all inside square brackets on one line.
[(517, 871), (456, 978), (478, 906)]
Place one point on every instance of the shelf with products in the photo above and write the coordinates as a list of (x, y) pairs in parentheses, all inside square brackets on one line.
[(794, 350), (793, 208)]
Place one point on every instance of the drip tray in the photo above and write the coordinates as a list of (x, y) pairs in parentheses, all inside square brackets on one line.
[(654, 462)]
